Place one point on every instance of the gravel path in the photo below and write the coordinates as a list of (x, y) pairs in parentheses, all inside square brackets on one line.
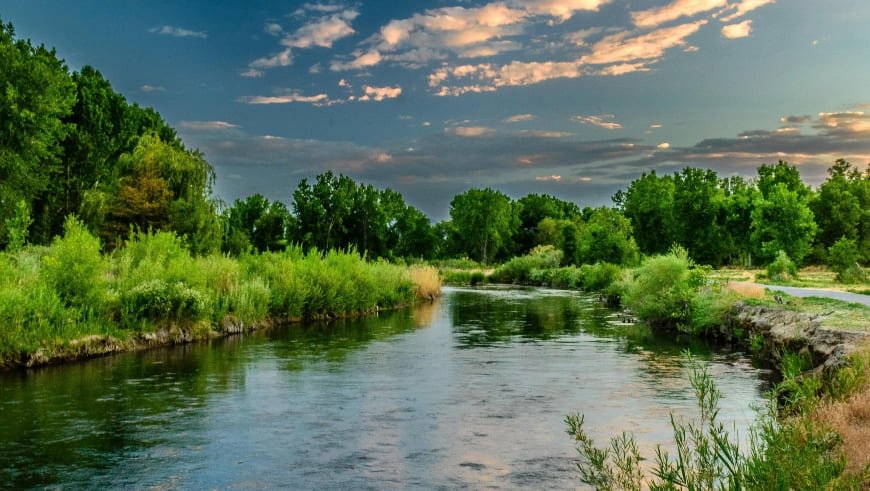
[(813, 292)]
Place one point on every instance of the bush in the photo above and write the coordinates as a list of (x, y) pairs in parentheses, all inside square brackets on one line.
[(519, 269), (782, 268), (74, 267), (662, 290), (599, 276), (843, 257), (159, 300)]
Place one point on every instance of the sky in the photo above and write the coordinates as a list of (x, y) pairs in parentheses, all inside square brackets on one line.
[(574, 98)]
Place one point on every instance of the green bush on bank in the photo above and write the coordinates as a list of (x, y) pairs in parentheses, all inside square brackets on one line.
[(52, 295)]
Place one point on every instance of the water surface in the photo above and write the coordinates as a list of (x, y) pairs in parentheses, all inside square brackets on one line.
[(469, 392)]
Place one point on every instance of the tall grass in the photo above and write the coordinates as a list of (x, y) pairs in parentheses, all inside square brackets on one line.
[(50, 296), (794, 452)]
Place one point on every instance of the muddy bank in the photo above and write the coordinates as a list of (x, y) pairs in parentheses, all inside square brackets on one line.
[(773, 331)]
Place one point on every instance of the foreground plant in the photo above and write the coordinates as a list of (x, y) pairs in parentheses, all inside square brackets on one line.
[(783, 453)]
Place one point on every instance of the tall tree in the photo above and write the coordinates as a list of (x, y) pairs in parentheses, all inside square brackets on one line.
[(37, 94), (842, 206), (607, 237), (485, 221), (536, 207), (649, 205), (698, 202), (782, 221)]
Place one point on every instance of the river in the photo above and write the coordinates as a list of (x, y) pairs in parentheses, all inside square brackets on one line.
[(468, 392)]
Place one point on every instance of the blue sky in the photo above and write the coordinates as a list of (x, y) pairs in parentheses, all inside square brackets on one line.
[(569, 97)]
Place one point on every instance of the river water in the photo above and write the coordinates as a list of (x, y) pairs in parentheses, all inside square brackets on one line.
[(468, 392)]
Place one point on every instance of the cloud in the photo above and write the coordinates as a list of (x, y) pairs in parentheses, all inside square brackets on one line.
[(207, 125), (470, 131), (796, 119), (518, 118), (317, 7), (292, 97), (152, 88), (663, 145), (562, 10), (322, 32), (252, 73), (553, 177), (616, 54), (545, 134), (273, 29), (601, 120), (361, 60), (736, 31), (673, 11), (379, 94), (178, 32), (743, 7)]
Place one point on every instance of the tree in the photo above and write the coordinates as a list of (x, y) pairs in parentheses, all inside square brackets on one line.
[(37, 94), (485, 221), (256, 222), (698, 203), (534, 208), (607, 237), (781, 173), (841, 206), (649, 205), (736, 219), (782, 221)]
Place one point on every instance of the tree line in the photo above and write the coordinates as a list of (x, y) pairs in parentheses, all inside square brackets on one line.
[(71, 145)]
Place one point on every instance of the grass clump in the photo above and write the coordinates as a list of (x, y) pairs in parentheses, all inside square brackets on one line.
[(519, 269)]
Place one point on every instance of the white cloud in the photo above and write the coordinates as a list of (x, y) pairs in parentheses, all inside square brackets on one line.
[(322, 33), (152, 88), (286, 99), (553, 177), (252, 73), (743, 7), (562, 10), (379, 94), (623, 47), (545, 134), (273, 29), (605, 121), (517, 118), (470, 131), (361, 60), (736, 31), (207, 125), (178, 32), (673, 11)]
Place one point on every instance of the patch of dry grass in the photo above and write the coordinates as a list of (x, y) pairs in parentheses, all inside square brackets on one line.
[(851, 420), (745, 289), (427, 281)]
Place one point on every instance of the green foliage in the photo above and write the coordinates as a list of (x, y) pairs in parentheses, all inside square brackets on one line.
[(607, 237), (782, 268), (485, 221), (649, 204), (518, 269), (783, 221), (698, 205), (159, 300), (843, 257), (16, 227), (74, 268), (599, 277), (661, 289), (533, 210)]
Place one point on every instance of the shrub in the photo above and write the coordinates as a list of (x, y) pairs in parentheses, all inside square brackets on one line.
[(662, 290), (159, 300), (74, 268), (782, 268), (599, 276), (843, 257), (518, 269)]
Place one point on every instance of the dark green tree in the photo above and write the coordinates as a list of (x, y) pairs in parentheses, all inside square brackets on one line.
[(782, 222), (698, 202), (649, 205), (485, 222), (607, 237)]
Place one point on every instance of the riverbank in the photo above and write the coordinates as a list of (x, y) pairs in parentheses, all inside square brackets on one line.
[(68, 301)]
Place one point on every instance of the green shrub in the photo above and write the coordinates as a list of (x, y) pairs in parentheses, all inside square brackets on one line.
[(159, 300), (782, 268), (843, 257), (599, 276), (74, 267), (518, 269)]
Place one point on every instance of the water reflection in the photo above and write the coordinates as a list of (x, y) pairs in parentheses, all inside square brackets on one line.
[(468, 392)]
